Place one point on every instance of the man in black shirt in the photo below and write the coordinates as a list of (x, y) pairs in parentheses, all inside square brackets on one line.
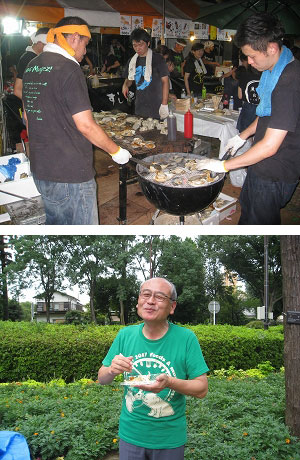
[(150, 73), (274, 158), (38, 42), (61, 127)]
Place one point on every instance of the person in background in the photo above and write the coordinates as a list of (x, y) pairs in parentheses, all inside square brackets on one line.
[(209, 58), (38, 42), (194, 70), (150, 73), (273, 160), (153, 421), (118, 50), (231, 88), (61, 127), (178, 57), (296, 52), (111, 64), (86, 61), (248, 81)]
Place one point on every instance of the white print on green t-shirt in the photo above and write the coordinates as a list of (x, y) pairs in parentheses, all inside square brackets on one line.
[(158, 404)]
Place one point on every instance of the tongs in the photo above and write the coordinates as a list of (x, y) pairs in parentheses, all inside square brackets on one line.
[(146, 164), (226, 155)]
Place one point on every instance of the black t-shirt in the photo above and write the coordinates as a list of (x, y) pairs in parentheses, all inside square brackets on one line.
[(212, 58), (23, 62), (149, 94), (248, 82), (110, 60), (195, 78), (178, 60), (54, 89), (284, 166)]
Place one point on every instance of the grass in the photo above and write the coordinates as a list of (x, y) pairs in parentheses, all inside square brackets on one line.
[(240, 419)]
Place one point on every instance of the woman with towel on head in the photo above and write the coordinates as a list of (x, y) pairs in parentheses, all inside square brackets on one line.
[(150, 73)]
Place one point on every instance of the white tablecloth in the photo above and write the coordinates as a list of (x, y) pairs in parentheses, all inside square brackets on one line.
[(207, 124)]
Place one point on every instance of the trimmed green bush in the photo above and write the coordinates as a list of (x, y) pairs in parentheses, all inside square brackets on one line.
[(42, 351)]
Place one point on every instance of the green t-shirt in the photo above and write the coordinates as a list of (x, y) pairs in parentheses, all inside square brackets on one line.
[(157, 421)]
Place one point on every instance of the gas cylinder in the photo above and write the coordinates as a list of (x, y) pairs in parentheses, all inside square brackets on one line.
[(188, 125)]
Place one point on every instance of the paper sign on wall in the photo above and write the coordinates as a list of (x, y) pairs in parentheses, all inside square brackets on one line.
[(137, 22), (125, 25), (201, 30), (157, 28)]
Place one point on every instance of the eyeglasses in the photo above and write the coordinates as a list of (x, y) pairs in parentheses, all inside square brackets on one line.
[(159, 296)]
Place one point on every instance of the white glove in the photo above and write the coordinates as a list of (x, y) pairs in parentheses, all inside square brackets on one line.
[(234, 144), (163, 111), (121, 156), (211, 165)]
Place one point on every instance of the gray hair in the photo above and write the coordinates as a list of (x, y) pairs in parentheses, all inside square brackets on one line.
[(172, 286)]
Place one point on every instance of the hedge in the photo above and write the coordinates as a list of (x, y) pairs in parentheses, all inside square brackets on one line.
[(42, 351)]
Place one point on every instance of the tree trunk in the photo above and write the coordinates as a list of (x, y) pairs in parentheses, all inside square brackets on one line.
[(290, 256), (92, 306), (47, 302), (4, 282), (122, 315)]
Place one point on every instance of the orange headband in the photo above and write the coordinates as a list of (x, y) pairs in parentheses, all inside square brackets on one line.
[(70, 29)]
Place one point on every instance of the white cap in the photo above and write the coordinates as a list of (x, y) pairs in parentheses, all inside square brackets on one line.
[(208, 44)]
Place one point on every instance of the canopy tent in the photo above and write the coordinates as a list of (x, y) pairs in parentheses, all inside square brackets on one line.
[(229, 14), (101, 12)]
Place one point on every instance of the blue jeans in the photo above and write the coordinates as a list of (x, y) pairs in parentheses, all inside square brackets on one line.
[(69, 204), (261, 200), (131, 452)]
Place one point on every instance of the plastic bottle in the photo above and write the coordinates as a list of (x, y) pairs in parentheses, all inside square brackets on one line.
[(172, 128), (192, 98), (203, 92), (188, 125), (225, 102), (183, 94), (231, 103)]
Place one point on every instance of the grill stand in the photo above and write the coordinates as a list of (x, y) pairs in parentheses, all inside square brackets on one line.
[(181, 218)]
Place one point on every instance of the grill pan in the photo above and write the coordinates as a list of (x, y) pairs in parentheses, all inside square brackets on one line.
[(178, 200)]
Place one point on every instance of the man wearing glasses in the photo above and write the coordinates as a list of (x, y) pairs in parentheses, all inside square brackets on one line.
[(152, 421)]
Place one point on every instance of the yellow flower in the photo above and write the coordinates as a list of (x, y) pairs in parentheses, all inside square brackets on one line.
[(97, 442), (17, 428), (62, 414), (65, 397), (245, 434), (35, 434), (287, 441), (52, 432), (115, 440)]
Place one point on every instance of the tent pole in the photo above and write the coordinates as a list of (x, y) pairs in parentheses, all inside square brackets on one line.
[(163, 38)]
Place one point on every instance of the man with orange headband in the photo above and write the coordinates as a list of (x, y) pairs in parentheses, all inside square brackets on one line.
[(61, 128)]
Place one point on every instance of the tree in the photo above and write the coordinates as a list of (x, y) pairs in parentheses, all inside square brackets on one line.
[(244, 256), (40, 260), (182, 263), (5, 260), (290, 254), (87, 262), (121, 261)]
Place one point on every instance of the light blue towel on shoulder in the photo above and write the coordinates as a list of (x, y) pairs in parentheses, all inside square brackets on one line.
[(269, 80)]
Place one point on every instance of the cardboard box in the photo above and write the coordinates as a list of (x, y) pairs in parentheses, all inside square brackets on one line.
[(213, 219), (183, 104), (226, 209), (220, 70)]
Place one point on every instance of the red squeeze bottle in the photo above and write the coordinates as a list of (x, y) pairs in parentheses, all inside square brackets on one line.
[(188, 125)]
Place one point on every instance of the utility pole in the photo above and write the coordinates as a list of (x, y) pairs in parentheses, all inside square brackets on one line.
[(266, 282)]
